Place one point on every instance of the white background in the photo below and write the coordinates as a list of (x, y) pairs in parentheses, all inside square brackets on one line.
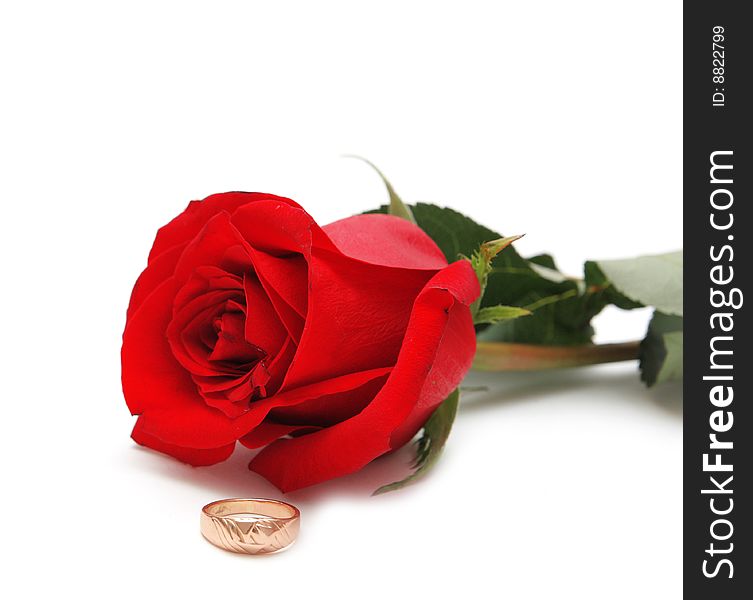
[(561, 120)]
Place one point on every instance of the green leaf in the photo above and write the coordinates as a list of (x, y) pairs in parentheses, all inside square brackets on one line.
[(544, 266), (544, 260), (562, 307), (654, 280), (430, 444), (396, 207), (496, 314), (565, 315), (661, 350), (597, 282)]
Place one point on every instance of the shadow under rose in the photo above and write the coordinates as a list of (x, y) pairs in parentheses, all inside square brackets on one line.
[(232, 478), (611, 383)]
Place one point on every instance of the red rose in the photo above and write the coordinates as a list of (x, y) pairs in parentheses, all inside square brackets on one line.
[(251, 323)]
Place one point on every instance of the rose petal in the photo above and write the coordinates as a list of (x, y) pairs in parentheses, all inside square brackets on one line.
[(184, 332), (269, 432), (355, 306), (190, 222), (327, 411), (279, 228), (437, 351), (263, 327), (154, 381), (288, 316), (218, 244), (207, 279), (232, 346), (196, 425), (158, 270), (278, 252), (193, 456), (276, 368), (386, 240), (349, 305)]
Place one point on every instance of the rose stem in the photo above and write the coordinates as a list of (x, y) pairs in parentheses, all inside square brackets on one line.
[(502, 356)]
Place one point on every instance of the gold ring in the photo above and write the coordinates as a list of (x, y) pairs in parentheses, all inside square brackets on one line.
[(250, 525)]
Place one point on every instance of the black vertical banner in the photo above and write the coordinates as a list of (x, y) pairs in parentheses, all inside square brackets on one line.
[(718, 300)]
